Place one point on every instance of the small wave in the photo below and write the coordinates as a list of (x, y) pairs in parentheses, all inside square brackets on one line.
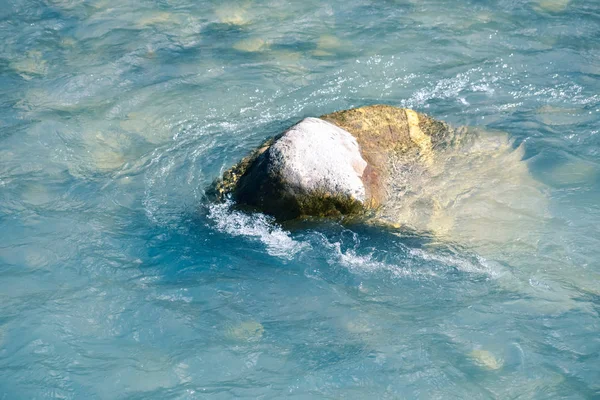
[(477, 266), (368, 263), (409, 264), (278, 242)]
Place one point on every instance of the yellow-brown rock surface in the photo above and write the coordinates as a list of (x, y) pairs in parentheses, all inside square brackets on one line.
[(385, 134)]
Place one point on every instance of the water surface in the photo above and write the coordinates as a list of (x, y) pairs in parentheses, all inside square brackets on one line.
[(118, 281)]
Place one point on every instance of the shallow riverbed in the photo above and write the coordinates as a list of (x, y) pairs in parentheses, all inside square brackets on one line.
[(118, 281)]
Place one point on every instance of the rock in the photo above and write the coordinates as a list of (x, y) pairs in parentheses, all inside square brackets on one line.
[(327, 45), (252, 45), (315, 168), (385, 135), (246, 331), (30, 66), (552, 6), (232, 15), (336, 165), (486, 360)]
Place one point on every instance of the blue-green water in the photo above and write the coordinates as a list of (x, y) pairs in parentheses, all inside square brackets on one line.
[(117, 281)]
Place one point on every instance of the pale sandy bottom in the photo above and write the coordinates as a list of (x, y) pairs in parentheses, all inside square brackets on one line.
[(482, 197)]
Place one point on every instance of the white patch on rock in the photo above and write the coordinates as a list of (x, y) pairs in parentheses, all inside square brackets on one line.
[(315, 155)]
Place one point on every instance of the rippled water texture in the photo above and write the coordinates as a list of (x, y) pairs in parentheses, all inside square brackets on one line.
[(118, 281)]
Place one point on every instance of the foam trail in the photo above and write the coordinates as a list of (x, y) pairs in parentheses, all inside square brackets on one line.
[(361, 264), (409, 265), (478, 266), (278, 242)]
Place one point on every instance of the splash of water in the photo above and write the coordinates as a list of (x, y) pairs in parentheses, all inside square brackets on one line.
[(278, 242)]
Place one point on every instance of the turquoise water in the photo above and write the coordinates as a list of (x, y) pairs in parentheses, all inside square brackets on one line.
[(118, 281)]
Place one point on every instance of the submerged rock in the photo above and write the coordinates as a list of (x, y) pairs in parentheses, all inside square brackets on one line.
[(337, 165), (486, 360), (247, 331)]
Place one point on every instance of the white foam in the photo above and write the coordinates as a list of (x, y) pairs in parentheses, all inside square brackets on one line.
[(367, 263), (479, 266), (278, 242)]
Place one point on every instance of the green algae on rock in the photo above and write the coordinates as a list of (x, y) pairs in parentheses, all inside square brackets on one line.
[(226, 185)]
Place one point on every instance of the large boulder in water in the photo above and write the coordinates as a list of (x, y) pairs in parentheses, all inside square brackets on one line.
[(340, 164)]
